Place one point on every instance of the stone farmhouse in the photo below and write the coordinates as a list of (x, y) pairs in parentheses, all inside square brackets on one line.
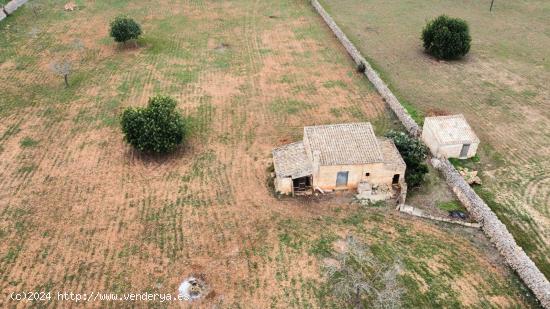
[(340, 157), (450, 136)]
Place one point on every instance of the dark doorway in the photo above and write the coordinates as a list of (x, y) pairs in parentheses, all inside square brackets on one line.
[(395, 179), (302, 184), (342, 179), (464, 150)]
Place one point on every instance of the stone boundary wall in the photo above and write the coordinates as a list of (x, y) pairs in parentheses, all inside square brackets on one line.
[(406, 119), (495, 230), (11, 7), (420, 213)]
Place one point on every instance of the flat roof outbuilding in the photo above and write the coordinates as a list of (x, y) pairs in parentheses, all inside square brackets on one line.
[(451, 130)]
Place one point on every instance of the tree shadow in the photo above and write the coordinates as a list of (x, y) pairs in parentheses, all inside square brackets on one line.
[(133, 155), (427, 57)]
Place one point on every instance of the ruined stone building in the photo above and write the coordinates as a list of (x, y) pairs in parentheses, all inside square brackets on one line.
[(340, 157), (450, 136)]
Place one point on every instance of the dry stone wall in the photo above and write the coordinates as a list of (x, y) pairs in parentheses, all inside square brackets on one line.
[(12, 6), (490, 224), (405, 118), (421, 214), (497, 232)]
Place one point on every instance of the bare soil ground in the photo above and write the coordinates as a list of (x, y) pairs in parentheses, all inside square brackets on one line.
[(80, 211), (502, 87)]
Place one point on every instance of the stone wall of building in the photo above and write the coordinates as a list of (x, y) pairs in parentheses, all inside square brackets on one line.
[(491, 225), (379, 175)]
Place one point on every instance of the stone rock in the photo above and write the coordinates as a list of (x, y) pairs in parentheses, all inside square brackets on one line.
[(71, 6), (471, 177)]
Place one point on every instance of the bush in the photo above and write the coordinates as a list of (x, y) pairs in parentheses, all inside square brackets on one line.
[(124, 28), (157, 128), (414, 154), (446, 37)]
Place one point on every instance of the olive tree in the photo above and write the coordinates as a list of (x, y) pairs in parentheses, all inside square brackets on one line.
[(62, 68), (362, 280)]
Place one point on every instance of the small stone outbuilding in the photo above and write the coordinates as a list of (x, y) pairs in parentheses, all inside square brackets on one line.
[(340, 157), (450, 136)]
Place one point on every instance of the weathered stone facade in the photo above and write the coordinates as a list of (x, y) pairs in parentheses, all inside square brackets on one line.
[(340, 157), (491, 225)]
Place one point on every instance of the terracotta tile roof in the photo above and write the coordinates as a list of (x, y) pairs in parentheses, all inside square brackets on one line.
[(339, 144), (291, 161), (450, 130), (391, 154)]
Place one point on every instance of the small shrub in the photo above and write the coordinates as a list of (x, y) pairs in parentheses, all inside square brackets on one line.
[(361, 67), (414, 154), (446, 37), (157, 128), (124, 29)]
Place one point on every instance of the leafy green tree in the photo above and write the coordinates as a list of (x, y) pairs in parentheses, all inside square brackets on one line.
[(124, 28), (414, 154), (157, 128), (446, 37)]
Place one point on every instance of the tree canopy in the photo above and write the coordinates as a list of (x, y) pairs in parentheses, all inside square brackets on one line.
[(157, 128), (124, 28)]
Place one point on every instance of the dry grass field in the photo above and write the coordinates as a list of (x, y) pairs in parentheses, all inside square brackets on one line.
[(502, 87), (80, 211)]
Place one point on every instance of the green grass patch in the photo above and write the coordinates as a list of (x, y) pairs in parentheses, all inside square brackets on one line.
[(28, 142), (289, 107), (322, 246), (470, 163), (530, 241), (450, 206), (335, 84), (415, 113), (336, 112), (27, 169)]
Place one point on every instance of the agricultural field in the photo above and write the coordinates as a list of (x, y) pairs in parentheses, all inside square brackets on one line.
[(81, 211), (502, 87)]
